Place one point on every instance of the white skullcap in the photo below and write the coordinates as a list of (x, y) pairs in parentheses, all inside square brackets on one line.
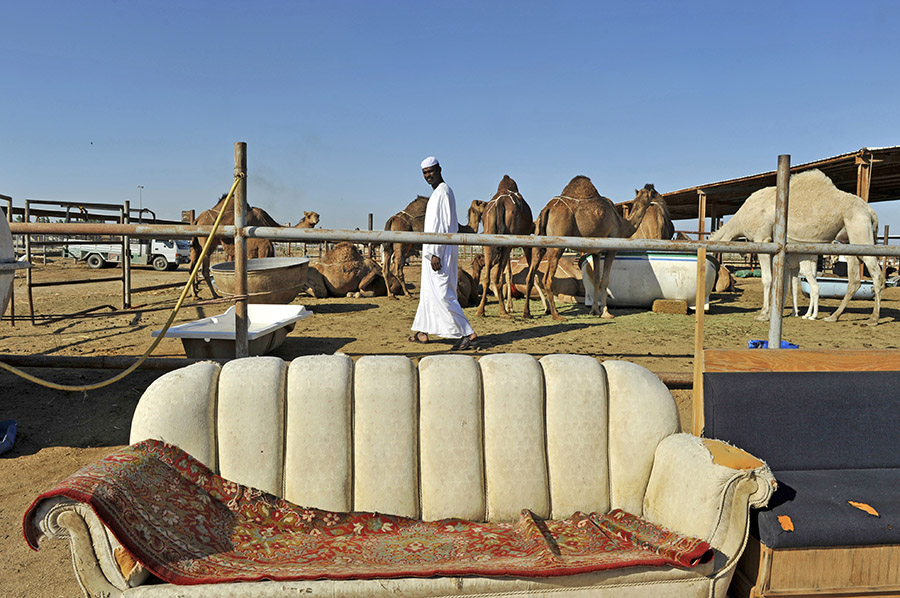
[(429, 162)]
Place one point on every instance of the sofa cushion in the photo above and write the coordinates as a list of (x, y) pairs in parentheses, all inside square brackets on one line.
[(814, 508), (806, 420)]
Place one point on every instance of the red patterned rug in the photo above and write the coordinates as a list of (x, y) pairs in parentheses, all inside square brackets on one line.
[(187, 525)]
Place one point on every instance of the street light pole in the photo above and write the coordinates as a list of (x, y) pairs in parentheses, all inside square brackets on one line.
[(141, 202)]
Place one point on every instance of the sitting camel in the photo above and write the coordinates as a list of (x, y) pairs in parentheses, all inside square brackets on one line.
[(507, 213), (256, 248), (818, 212), (580, 211), (412, 218), (466, 288), (344, 272)]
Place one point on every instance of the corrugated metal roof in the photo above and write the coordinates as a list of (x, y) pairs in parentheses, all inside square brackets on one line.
[(725, 197)]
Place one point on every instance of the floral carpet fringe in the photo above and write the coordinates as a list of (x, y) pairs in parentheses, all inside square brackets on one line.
[(187, 525)]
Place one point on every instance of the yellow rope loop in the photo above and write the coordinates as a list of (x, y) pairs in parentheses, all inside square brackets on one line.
[(162, 334)]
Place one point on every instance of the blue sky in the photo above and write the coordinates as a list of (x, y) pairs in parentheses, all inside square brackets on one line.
[(339, 101)]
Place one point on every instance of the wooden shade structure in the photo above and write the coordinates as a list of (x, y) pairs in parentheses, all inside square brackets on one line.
[(871, 173)]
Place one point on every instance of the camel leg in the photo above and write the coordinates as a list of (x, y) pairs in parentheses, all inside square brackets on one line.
[(509, 282), (537, 255), (502, 263), (808, 270), (401, 253), (874, 267), (208, 278), (553, 256), (388, 253), (485, 279), (608, 259), (853, 284), (765, 267), (366, 282)]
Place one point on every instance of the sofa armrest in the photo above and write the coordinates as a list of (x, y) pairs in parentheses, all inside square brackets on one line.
[(102, 566), (705, 488)]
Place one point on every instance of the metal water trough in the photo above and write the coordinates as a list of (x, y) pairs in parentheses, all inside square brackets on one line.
[(269, 279)]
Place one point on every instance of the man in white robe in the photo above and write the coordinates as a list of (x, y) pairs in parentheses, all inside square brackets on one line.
[(439, 312)]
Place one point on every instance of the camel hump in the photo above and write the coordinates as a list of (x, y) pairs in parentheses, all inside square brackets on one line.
[(416, 208), (581, 187), (507, 185), (344, 251)]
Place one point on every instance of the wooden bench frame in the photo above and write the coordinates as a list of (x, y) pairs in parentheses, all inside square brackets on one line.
[(845, 572)]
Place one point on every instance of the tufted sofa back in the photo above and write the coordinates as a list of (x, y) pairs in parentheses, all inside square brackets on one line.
[(451, 437)]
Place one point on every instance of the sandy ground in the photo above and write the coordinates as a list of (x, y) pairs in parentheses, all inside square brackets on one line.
[(60, 431)]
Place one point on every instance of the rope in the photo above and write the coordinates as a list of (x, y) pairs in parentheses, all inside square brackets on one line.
[(162, 333), (563, 198)]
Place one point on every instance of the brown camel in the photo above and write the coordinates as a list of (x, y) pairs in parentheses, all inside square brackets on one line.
[(656, 223), (412, 218), (256, 248), (507, 213), (344, 272), (466, 288), (580, 211)]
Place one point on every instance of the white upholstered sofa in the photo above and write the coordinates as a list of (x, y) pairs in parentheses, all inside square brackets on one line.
[(449, 437)]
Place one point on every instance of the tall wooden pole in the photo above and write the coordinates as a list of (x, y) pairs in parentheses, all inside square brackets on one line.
[(126, 258), (779, 236), (241, 318), (697, 414)]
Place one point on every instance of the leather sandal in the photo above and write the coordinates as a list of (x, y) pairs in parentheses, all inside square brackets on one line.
[(463, 344)]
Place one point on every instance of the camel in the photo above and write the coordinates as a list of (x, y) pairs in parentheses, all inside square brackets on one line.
[(412, 218), (818, 212), (256, 248), (656, 223), (466, 288), (507, 213), (580, 211), (344, 272)]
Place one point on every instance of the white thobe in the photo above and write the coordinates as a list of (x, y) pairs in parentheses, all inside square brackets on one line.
[(439, 312)]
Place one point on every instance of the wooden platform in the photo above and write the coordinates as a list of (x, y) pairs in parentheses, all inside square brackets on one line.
[(838, 572), (820, 572)]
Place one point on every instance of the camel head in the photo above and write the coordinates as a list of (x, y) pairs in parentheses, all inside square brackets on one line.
[(642, 200), (311, 218), (474, 214)]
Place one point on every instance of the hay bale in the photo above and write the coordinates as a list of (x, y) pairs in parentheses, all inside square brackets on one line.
[(670, 306)]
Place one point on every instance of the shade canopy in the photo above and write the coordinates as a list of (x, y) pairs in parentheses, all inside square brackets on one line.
[(875, 168)]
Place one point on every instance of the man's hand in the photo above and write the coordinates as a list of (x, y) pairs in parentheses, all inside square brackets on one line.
[(435, 263)]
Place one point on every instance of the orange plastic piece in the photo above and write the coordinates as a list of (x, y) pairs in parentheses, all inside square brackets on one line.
[(786, 523), (864, 507)]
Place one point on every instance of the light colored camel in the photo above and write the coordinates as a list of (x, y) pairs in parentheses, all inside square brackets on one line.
[(256, 248), (582, 212), (344, 272), (507, 213), (818, 212), (412, 218)]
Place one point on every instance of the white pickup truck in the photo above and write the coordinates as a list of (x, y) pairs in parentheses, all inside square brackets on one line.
[(161, 254)]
